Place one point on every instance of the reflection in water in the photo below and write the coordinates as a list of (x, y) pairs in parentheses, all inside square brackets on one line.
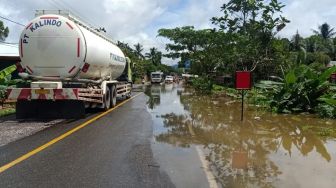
[(154, 95), (258, 152)]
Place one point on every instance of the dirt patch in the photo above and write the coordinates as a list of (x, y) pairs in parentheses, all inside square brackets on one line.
[(12, 129)]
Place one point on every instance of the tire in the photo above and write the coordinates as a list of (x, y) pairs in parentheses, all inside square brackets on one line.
[(107, 99), (129, 95), (114, 96)]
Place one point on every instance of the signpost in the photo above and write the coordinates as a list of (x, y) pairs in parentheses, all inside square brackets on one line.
[(243, 82)]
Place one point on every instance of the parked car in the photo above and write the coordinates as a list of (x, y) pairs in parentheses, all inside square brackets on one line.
[(169, 79)]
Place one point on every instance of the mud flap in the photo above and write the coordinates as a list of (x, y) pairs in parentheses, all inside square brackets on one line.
[(43, 109)]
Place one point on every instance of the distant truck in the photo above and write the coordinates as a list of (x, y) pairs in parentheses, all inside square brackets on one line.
[(71, 66), (157, 77)]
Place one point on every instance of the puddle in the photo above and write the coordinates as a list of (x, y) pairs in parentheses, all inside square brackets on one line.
[(265, 150)]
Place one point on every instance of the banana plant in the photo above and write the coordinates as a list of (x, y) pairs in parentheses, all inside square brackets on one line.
[(6, 72), (299, 90), (5, 80)]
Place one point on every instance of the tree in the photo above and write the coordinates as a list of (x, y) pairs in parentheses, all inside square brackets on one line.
[(297, 42), (206, 49), (322, 41), (138, 50), (311, 44), (252, 25), (125, 46), (3, 31), (325, 31), (154, 55)]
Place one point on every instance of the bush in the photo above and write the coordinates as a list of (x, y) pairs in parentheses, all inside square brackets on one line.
[(2, 94), (326, 111), (327, 106), (5, 112), (257, 97), (317, 58), (300, 91), (203, 84), (217, 88)]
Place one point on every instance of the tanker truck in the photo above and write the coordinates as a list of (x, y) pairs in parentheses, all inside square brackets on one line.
[(70, 66)]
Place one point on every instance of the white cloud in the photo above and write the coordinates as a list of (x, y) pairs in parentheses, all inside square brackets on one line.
[(136, 21), (306, 15), (131, 21), (127, 18)]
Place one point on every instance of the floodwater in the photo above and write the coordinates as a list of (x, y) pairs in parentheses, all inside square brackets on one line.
[(265, 150)]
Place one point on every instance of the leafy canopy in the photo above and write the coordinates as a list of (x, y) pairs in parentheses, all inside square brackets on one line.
[(252, 25), (3, 31)]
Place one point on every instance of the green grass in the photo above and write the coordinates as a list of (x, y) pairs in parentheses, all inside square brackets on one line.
[(6, 112)]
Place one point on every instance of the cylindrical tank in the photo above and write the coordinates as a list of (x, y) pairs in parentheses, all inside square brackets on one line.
[(55, 46)]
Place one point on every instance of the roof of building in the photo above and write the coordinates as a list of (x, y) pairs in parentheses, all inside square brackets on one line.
[(9, 51)]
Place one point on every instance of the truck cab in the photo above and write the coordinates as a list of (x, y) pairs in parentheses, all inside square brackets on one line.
[(157, 77)]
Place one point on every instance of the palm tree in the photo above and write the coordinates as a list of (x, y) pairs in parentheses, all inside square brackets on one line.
[(311, 44), (138, 50), (296, 42), (125, 48), (158, 58), (152, 54), (325, 31)]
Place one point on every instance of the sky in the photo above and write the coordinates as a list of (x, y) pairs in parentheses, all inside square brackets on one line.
[(137, 21)]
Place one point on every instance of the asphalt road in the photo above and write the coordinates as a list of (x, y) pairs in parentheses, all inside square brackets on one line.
[(113, 151)]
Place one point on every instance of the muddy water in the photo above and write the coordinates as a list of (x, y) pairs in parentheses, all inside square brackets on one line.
[(265, 150)]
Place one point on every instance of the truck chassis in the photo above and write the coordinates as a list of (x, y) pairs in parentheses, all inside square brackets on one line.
[(57, 102)]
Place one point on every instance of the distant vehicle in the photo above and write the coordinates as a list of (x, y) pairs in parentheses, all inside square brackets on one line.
[(157, 77), (189, 77), (169, 79)]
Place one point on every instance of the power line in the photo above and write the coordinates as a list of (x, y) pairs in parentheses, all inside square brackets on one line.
[(12, 21), (62, 5), (77, 13)]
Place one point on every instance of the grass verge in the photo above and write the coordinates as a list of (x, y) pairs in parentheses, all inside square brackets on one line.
[(6, 111)]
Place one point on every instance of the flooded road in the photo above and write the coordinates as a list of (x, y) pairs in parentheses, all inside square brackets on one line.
[(265, 150)]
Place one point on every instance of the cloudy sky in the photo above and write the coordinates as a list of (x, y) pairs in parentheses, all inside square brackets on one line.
[(136, 21)]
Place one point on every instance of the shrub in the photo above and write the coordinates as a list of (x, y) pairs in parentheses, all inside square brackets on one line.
[(217, 88), (203, 84), (326, 110), (327, 106), (300, 91), (317, 58), (2, 94)]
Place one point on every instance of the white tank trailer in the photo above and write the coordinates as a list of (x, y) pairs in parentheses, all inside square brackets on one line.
[(72, 66)]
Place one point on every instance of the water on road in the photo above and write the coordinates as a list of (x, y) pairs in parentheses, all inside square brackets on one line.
[(265, 150)]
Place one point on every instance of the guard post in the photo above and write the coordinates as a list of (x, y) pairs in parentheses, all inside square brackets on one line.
[(243, 82)]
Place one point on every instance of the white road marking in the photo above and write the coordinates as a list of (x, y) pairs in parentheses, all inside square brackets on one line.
[(205, 165), (207, 171)]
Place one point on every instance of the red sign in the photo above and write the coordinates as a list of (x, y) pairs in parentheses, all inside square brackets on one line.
[(243, 80)]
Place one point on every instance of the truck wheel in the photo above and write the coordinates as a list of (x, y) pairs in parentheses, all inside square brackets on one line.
[(114, 96), (129, 95), (107, 99)]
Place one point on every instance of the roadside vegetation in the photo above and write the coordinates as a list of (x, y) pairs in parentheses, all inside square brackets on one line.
[(5, 82), (145, 63), (290, 75)]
